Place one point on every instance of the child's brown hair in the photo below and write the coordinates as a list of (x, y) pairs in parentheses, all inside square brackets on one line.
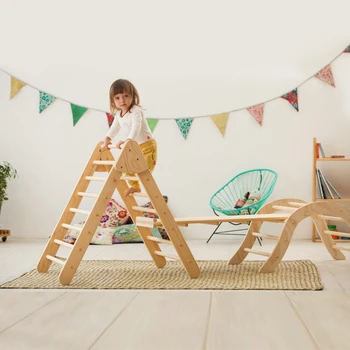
[(121, 86)]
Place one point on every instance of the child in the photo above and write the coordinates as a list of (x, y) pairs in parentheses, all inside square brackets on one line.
[(131, 124)]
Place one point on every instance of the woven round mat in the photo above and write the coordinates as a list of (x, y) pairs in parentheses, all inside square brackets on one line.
[(140, 274)]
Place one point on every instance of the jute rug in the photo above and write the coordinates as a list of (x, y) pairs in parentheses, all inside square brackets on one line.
[(140, 274)]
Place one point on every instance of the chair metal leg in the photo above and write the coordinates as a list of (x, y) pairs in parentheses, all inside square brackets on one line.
[(214, 232), (260, 241)]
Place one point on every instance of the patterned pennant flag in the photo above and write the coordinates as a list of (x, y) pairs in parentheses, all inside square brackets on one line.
[(220, 121), (326, 75), (347, 49), (257, 112), (152, 123), (292, 98), (45, 101), (77, 112), (110, 119), (184, 126), (16, 85)]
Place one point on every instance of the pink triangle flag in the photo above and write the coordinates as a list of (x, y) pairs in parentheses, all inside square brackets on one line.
[(257, 112), (326, 75)]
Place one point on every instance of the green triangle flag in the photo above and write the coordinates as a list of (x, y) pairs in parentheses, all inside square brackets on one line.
[(45, 101), (184, 126), (152, 123), (77, 112)]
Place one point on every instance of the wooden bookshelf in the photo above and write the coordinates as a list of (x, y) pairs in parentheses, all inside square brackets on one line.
[(332, 159), (314, 187)]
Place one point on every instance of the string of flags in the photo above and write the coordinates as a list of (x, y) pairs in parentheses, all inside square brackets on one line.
[(184, 124)]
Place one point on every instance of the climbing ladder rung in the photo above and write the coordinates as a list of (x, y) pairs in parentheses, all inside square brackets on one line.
[(167, 255), (335, 233), (79, 211), (264, 235), (339, 247), (104, 162), (258, 252), (296, 204), (96, 178), (130, 178), (147, 210), (333, 218), (280, 207), (58, 261), (85, 194), (159, 240), (71, 227), (57, 241), (140, 194)]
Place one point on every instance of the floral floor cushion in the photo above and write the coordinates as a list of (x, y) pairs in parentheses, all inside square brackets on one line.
[(102, 236), (114, 215), (111, 235), (129, 233)]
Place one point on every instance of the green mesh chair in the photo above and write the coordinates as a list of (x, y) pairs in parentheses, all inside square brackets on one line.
[(224, 200)]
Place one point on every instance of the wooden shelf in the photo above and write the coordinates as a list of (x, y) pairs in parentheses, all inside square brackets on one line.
[(336, 240), (335, 199), (315, 237), (332, 159)]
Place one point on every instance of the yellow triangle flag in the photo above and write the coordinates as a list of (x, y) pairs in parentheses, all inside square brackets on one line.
[(16, 85), (220, 121)]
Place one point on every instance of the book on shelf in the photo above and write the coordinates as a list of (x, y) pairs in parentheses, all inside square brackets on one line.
[(319, 150), (337, 156), (320, 185), (325, 186), (322, 152)]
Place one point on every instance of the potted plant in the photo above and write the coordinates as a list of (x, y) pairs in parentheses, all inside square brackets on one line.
[(7, 172)]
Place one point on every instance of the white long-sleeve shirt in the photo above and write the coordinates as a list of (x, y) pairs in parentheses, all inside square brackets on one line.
[(133, 125)]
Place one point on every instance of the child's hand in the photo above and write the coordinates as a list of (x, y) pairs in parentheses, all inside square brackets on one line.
[(107, 141), (119, 144), (105, 144)]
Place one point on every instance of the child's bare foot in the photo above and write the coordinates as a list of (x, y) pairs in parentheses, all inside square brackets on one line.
[(131, 190)]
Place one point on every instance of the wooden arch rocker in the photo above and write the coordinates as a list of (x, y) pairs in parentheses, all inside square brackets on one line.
[(131, 161)]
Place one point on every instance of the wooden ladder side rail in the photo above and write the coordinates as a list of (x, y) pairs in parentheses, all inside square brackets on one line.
[(169, 224), (130, 162), (255, 226), (67, 216), (89, 228), (310, 210)]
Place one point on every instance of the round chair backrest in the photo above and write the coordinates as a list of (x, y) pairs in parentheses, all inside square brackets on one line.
[(225, 198)]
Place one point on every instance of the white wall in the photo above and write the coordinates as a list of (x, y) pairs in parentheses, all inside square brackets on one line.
[(188, 58), (50, 154)]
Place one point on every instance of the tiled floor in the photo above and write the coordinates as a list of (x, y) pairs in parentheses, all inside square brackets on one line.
[(144, 319)]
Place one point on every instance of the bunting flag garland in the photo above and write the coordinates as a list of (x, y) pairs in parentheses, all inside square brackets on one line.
[(77, 112), (326, 75), (152, 123), (110, 119), (220, 121), (292, 98), (45, 101), (16, 86), (257, 112), (184, 126)]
